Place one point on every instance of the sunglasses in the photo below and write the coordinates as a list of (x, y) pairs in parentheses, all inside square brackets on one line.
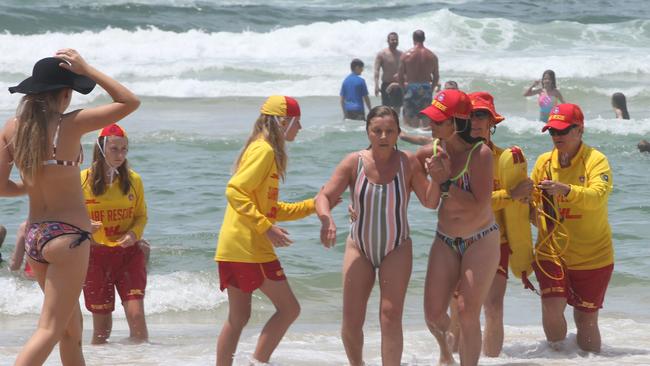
[(481, 114), (555, 132)]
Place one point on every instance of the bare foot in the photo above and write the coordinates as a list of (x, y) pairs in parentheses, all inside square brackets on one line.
[(445, 341)]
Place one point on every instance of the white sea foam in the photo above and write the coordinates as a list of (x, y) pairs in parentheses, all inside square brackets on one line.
[(312, 59)]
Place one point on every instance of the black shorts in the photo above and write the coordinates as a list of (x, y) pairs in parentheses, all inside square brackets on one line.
[(394, 99), (357, 115)]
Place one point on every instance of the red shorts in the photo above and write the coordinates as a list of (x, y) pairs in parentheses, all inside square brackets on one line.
[(584, 289), (504, 260), (248, 277), (111, 268)]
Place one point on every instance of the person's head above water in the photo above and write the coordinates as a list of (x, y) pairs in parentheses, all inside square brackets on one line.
[(382, 127), (548, 80), (393, 40), (418, 36), (619, 102), (450, 84)]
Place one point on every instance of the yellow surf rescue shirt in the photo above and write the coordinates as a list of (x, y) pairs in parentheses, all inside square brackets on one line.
[(253, 207), (584, 210), (118, 212), (500, 197)]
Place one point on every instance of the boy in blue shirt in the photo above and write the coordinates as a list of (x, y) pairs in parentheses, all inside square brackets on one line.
[(354, 93)]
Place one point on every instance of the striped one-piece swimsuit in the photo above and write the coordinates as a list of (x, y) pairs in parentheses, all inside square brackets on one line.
[(381, 224)]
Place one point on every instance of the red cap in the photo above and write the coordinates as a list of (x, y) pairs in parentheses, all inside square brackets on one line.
[(485, 101), (563, 116), (447, 104), (112, 130)]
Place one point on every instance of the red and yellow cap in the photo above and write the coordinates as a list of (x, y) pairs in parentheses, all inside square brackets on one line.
[(447, 104), (281, 106), (112, 130), (485, 101), (563, 116)]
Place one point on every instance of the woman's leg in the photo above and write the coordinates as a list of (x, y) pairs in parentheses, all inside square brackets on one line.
[(287, 310), (478, 268), (394, 275), (239, 311), (439, 285), (358, 280), (134, 311), (493, 338), (102, 326), (61, 281)]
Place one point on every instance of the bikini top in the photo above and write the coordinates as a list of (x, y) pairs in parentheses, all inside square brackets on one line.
[(55, 142), (462, 178)]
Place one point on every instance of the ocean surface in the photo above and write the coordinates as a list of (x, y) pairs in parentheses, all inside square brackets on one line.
[(203, 68)]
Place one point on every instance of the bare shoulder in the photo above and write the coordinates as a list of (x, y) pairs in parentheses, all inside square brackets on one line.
[(484, 154), (9, 127), (350, 161)]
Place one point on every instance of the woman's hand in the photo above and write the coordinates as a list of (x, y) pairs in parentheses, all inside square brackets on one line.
[(439, 167), (327, 231), (74, 61), (278, 236), (128, 240)]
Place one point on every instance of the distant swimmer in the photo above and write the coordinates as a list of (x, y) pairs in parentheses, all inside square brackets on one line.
[(644, 146), (548, 94), (387, 64), (620, 106), (354, 93), (418, 74), (380, 179), (423, 140), (574, 250)]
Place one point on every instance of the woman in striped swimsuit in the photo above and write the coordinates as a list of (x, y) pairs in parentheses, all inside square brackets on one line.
[(381, 179)]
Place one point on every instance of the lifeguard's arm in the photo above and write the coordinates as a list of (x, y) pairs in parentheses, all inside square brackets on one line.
[(288, 211), (419, 182), (599, 185), (19, 251), (340, 180), (8, 188), (481, 180), (250, 174), (435, 74), (140, 214), (536, 176), (377, 69), (90, 119), (500, 199)]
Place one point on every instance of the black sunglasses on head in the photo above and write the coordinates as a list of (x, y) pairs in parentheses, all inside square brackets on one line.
[(555, 132)]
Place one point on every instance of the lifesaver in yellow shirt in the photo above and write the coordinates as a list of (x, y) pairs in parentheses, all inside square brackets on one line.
[(513, 169)]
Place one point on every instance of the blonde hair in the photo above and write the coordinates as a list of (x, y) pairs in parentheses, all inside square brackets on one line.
[(266, 127), (31, 140)]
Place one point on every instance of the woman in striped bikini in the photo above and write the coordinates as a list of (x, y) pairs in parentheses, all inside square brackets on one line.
[(465, 251), (381, 179)]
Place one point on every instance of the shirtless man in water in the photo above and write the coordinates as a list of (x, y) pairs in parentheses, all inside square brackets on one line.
[(417, 74), (387, 62)]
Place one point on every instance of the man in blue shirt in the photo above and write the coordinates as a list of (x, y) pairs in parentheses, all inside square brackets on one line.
[(354, 93)]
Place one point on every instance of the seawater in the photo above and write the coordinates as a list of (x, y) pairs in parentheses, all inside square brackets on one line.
[(202, 82)]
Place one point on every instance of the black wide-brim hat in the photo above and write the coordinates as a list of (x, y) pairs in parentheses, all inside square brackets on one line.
[(48, 76)]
